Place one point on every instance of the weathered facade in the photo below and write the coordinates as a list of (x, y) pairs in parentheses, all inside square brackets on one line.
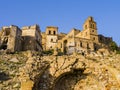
[(85, 41), (14, 39), (50, 38), (10, 38), (30, 38)]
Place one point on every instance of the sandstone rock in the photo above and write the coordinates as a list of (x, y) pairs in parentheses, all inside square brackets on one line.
[(16, 85), (63, 72), (27, 85), (14, 60)]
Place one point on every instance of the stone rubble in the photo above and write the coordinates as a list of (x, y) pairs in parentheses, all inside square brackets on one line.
[(33, 71)]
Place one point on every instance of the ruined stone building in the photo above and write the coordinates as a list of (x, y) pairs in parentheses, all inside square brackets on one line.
[(10, 38), (14, 39), (86, 40), (50, 38), (30, 38)]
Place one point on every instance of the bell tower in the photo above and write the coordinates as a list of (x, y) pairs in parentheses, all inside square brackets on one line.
[(51, 37), (90, 28)]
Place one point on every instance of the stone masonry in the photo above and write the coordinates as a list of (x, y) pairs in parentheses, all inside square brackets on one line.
[(14, 39), (76, 41), (10, 38)]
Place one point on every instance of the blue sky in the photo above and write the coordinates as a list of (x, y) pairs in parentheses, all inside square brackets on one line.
[(66, 14)]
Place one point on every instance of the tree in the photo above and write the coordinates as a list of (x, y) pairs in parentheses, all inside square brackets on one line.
[(113, 46)]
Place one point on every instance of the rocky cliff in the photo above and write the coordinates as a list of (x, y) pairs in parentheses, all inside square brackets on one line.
[(32, 71)]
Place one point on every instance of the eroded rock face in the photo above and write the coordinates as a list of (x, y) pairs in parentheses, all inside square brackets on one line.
[(56, 71), (9, 71), (73, 72), (78, 73)]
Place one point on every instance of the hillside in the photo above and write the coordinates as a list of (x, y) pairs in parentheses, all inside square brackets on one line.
[(32, 71)]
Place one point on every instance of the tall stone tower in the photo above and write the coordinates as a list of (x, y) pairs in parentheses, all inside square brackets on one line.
[(51, 37), (90, 29), (32, 38)]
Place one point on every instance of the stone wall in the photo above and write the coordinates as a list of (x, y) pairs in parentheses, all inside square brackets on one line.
[(76, 40), (69, 43), (43, 40), (51, 37), (11, 38), (104, 40), (32, 38)]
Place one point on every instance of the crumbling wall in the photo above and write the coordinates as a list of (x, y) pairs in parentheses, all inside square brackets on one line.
[(31, 38), (11, 38), (28, 43)]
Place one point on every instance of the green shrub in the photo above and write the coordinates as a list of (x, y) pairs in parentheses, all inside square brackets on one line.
[(48, 52), (60, 53), (118, 52), (113, 46)]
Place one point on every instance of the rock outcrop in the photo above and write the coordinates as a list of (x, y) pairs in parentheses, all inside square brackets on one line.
[(31, 71)]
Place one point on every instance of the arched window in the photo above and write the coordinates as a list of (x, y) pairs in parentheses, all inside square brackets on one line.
[(92, 30), (49, 32), (87, 45), (80, 44), (51, 40), (93, 38), (54, 32), (61, 45), (95, 46), (50, 46), (93, 26)]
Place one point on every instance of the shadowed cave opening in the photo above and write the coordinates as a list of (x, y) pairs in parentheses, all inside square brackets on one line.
[(66, 81)]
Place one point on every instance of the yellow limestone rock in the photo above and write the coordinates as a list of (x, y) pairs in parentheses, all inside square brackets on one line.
[(27, 85)]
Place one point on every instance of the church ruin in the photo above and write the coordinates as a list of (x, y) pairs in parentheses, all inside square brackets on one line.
[(80, 41)]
